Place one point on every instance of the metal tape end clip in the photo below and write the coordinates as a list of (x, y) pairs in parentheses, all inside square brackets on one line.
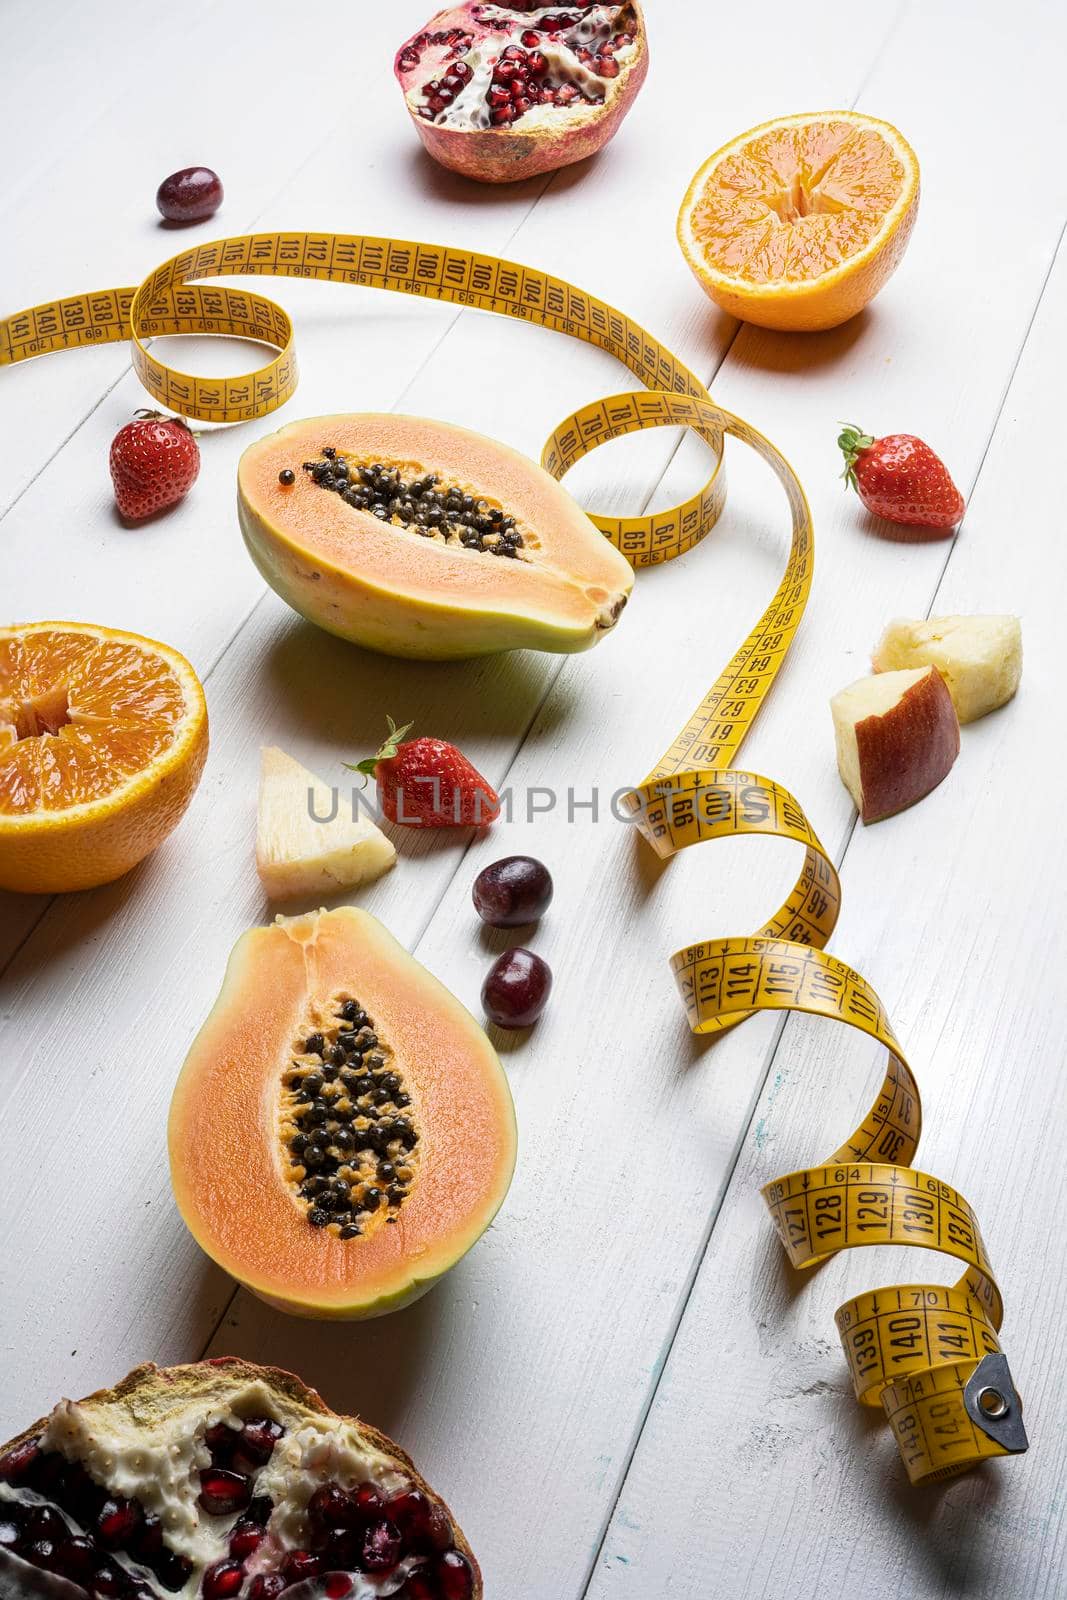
[(993, 1404)]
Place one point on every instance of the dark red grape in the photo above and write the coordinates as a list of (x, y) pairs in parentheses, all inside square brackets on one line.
[(516, 989), (512, 892), (191, 195)]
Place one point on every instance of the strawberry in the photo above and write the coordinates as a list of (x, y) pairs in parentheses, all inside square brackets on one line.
[(900, 478), (154, 463), (428, 783)]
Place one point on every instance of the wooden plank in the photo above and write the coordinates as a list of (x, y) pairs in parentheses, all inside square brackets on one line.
[(951, 911), (138, 964), (280, 115), (605, 1109), (185, 577), (629, 1128)]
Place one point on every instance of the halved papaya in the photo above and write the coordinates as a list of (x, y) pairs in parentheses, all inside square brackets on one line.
[(342, 1131), (417, 538)]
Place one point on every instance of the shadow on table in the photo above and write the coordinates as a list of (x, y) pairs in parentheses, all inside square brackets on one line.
[(954, 1525), (451, 188), (366, 1369), (86, 914), (799, 355), (336, 692)]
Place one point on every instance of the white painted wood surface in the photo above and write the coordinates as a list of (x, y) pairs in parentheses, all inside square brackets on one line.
[(621, 1391)]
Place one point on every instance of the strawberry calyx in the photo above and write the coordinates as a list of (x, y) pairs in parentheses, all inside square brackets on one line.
[(390, 747), (163, 416), (852, 442)]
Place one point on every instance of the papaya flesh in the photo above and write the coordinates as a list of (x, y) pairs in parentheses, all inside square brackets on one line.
[(431, 589), (342, 1131)]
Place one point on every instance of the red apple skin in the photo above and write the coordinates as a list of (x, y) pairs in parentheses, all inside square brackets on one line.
[(907, 751)]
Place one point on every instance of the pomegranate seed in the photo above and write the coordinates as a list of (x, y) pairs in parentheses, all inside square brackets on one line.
[(501, 117), (338, 1584), (77, 1557), (17, 1463), (437, 104), (606, 67), (566, 95), (301, 1564), (42, 1554), (118, 1522), (223, 1580), (538, 64), (255, 1445), (109, 1581), (452, 83), (173, 1571), (419, 1587), (149, 1540), (339, 1548), (45, 1523), (522, 106), (518, 89), (421, 1520), (531, 38), (382, 1544), (367, 1502), (505, 71), (514, 53), (455, 1575), (222, 1493), (463, 72), (267, 1586), (220, 1440), (259, 1510), (499, 97), (330, 1507), (245, 1539), (79, 1495)]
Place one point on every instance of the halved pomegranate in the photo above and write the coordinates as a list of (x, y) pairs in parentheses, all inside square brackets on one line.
[(221, 1481), (501, 92)]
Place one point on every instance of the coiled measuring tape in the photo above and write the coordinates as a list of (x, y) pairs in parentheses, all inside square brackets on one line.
[(929, 1355)]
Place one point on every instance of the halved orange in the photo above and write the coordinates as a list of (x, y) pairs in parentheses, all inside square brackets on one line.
[(798, 223), (103, 737)]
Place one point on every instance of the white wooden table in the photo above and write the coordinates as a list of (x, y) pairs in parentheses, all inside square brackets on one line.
[(623, 1392)]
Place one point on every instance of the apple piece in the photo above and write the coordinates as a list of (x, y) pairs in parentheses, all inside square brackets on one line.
[(897, 737), (980, 658), (299, 855)]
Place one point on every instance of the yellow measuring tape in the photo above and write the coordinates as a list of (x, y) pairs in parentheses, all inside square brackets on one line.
[(929, 1355)]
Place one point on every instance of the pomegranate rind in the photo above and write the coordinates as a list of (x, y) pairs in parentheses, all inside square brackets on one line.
[(508, 155), (388, 589), (225, 1155), (151, 1394), (85, 844), (833, 294)]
